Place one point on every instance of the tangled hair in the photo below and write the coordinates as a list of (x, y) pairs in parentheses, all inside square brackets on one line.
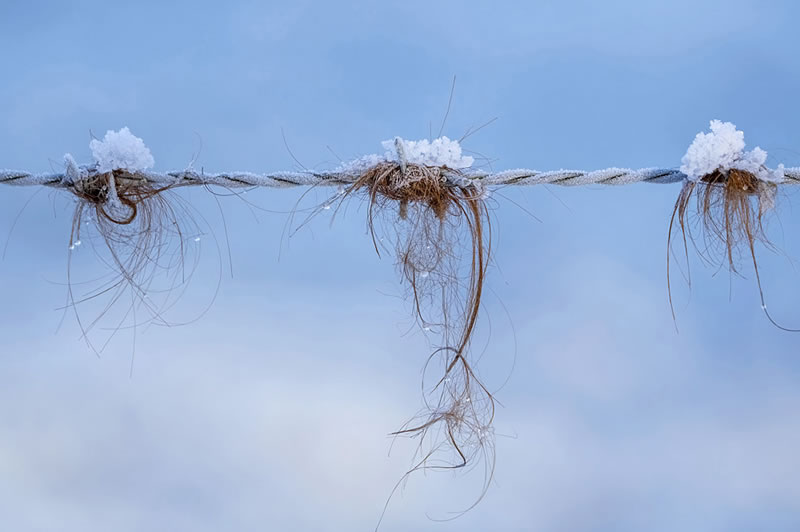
[(439, 226), (731, 209), (139, 231)]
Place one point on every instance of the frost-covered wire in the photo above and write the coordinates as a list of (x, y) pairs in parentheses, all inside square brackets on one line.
[(123, 152), (609, 176)]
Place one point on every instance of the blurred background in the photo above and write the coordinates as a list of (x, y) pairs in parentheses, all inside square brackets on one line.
[(271, 411)]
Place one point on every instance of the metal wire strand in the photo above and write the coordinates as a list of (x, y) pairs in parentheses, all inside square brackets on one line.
[(609, 176)]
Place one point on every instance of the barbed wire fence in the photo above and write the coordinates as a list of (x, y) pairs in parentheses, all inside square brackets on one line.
[(440, 229), (517, 177)]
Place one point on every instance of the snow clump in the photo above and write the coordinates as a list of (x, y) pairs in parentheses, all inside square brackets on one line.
[(723, 150), (121, 150), (439, 152)]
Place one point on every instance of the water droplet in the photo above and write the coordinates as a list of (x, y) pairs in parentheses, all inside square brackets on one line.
[(327, 206), (424, 274), (197, 239), (77, 243), (426, 329)]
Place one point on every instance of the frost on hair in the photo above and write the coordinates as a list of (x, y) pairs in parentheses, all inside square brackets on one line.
[(724, 203), (143, 234), (436, 223)]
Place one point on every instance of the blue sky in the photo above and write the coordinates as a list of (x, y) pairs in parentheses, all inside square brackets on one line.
[(272, 410)]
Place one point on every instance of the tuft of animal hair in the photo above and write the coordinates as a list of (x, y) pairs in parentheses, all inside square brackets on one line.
[(439, 226), (728, 210), (139, 231)]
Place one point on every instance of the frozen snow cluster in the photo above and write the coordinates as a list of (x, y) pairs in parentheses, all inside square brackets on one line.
[(723, 149), (438, 152), (121, 150)]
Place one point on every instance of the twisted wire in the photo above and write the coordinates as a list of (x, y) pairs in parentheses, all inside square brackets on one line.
[(609, 176)]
